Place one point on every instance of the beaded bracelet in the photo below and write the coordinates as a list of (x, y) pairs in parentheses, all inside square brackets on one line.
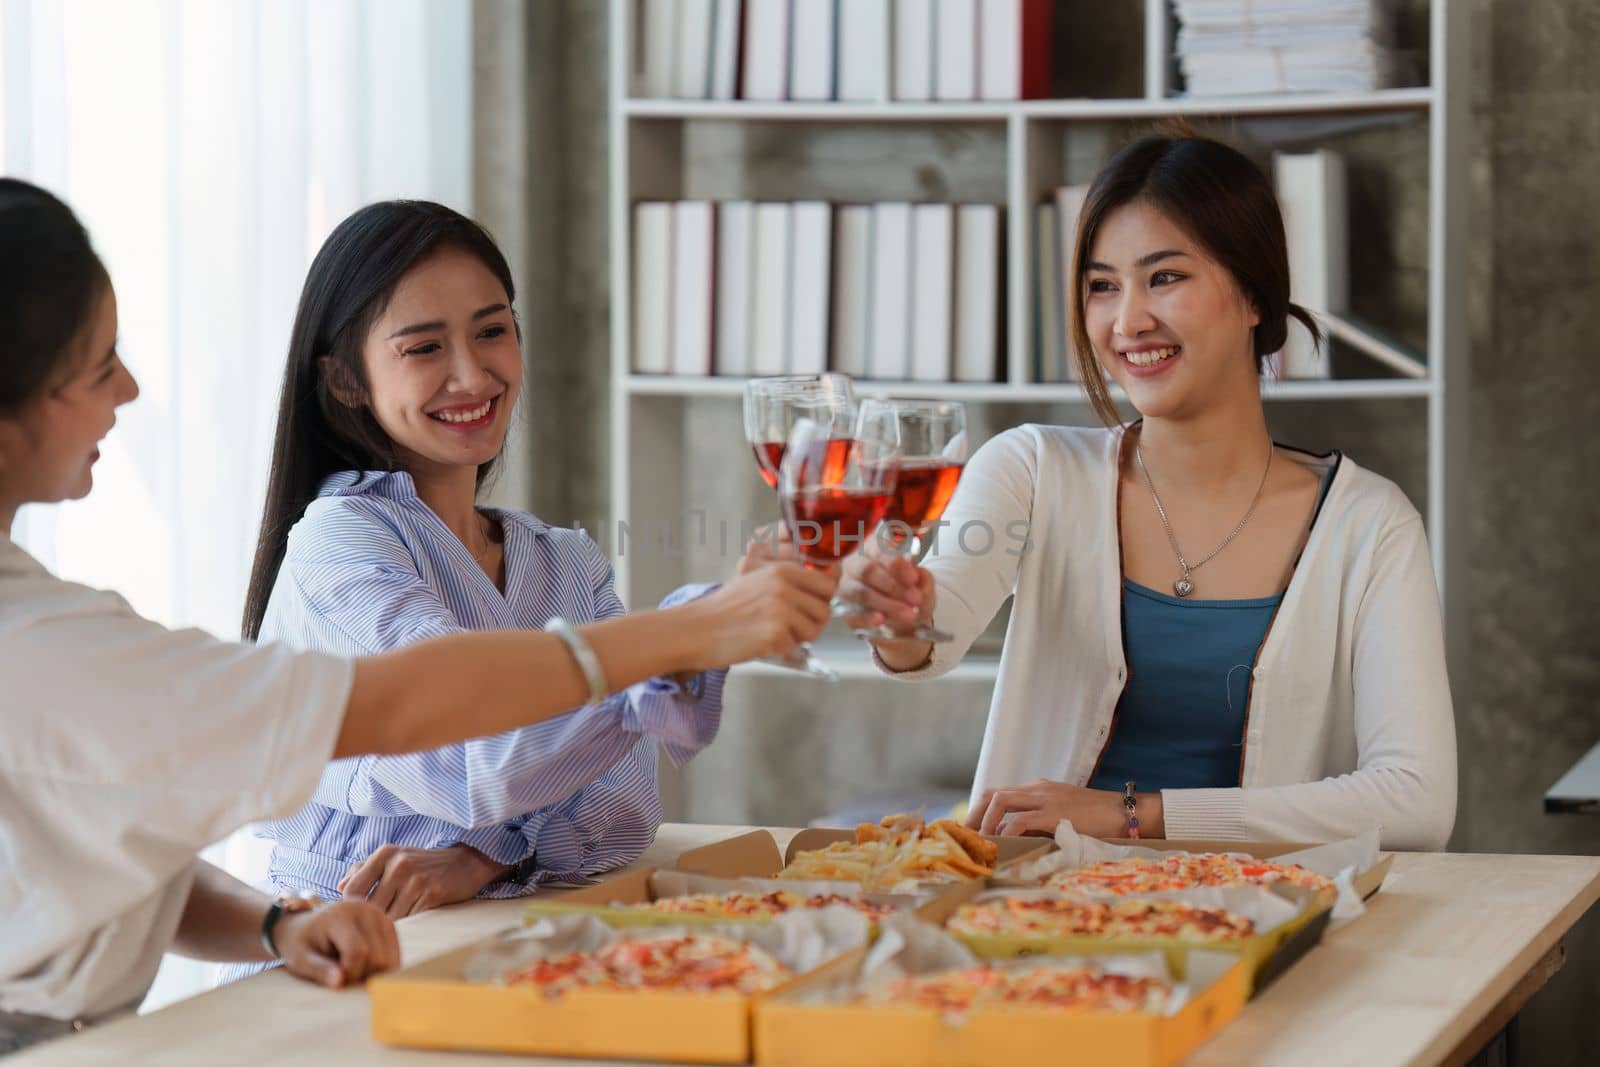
[(1130, 806)]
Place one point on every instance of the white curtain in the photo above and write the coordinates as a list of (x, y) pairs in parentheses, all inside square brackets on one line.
[(209, 146)]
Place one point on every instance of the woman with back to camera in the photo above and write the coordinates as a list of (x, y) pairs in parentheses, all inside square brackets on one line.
[(1213, 635), (130, 747)]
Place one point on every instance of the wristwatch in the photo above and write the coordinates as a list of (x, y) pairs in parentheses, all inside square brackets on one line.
[(281, 907), (521, 872)]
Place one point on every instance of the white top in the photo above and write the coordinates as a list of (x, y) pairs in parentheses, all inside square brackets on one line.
[(128, 748), (1349, 723)]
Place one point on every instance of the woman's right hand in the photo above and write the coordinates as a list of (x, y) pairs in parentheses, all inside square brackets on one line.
[(896, 593), (764, 612)]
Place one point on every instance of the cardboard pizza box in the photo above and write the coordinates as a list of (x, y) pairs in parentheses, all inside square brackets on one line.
[(795, 1027), (434, 1005)]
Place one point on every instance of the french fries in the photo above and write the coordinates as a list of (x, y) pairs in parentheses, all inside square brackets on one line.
[(902, 848)]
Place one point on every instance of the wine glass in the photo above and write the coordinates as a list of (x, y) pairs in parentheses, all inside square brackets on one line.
[(833, 498), (772, 406), (931, 436)]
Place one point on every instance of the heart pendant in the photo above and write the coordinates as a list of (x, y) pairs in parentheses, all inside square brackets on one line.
[(1183, 586)]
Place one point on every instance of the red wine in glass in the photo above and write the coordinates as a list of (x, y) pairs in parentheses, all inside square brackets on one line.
[(830, 523), (769, 458), (922, 491)]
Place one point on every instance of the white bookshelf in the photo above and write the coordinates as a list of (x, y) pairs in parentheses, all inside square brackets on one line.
[(651, 145)]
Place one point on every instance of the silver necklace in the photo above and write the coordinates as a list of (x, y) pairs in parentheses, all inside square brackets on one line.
[(1183, 586)]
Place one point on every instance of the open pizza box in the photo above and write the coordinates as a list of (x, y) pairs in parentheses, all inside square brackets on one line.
[(756, 855), (1289, 920), (1356, 859), (457, 1000), (812, 1023)]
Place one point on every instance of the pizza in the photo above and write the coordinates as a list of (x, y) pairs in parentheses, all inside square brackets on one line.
[(743, 905), (901, 848), (683, 963), (1054, 986), (1184, 870), (1068, 917)]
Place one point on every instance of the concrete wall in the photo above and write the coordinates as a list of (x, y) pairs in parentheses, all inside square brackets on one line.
[(1529, 703)]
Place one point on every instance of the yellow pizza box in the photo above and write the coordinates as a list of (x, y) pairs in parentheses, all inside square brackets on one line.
[(1367, 882), (609, 901), (434, 1005), (795, 1028), (1301, 912)]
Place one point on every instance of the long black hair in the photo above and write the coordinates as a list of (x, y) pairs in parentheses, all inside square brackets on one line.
[(50, 283), (1224, 202), (350, 284)]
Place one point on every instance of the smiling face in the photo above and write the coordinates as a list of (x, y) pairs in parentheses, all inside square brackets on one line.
[(443, 364), (1167, 322), (48, 450)]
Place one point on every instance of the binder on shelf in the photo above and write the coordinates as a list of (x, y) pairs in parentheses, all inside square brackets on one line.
[(734, 262), (864, 44), (766, 50), (809, 275), (769, 306), (912, 62), (852, 288), (977, 293), (652, 288), (955, 67), (659, 37), (811, 57), (1069, 205), (692, 64), (932, 257), (890, 355), (692, 243), (1014, 49), (725, 27), (1311, 195), (1049, 337)]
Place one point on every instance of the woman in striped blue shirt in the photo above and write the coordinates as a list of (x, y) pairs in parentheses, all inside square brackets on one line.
[(372, 538)]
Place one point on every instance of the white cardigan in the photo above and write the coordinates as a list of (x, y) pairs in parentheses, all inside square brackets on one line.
[(1349, 723)]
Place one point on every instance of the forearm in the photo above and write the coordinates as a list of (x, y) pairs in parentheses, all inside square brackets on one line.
[(468, 685), (222, 919)]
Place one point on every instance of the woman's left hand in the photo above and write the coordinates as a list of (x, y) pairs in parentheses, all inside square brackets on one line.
[(337, 944), (404, 881), (1040, 806)]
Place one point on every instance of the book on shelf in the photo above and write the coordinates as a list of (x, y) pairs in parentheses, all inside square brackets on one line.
[(734, 266), (652, 288), (811, 31), (692, 241), (852, 288), (766, 50), (1229, 47), (863, 48), (1069, 205), (810, 260), (861, 51), (1049, 334), (955, 37), (888, 291), (769, 306), (932, 262), (1013, 49), (975, 345), (1311, 196), (725, 30), (912, 61), (889, 354), (692, 59)]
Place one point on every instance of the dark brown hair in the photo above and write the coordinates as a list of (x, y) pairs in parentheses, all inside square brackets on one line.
[(320, 431), (1219, 198), (51, 281)]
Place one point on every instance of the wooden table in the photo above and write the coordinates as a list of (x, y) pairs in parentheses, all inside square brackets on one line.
[(1450, 949)]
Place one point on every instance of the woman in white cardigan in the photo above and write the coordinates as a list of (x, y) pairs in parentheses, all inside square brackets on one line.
[(1213, 636)]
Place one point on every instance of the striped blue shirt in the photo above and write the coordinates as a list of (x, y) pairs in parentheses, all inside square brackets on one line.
[(370, 567)]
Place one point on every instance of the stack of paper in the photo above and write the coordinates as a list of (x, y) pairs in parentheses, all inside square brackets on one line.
[(1228, 47)]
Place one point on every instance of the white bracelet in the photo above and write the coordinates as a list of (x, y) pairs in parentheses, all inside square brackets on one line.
[(588, 662)]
